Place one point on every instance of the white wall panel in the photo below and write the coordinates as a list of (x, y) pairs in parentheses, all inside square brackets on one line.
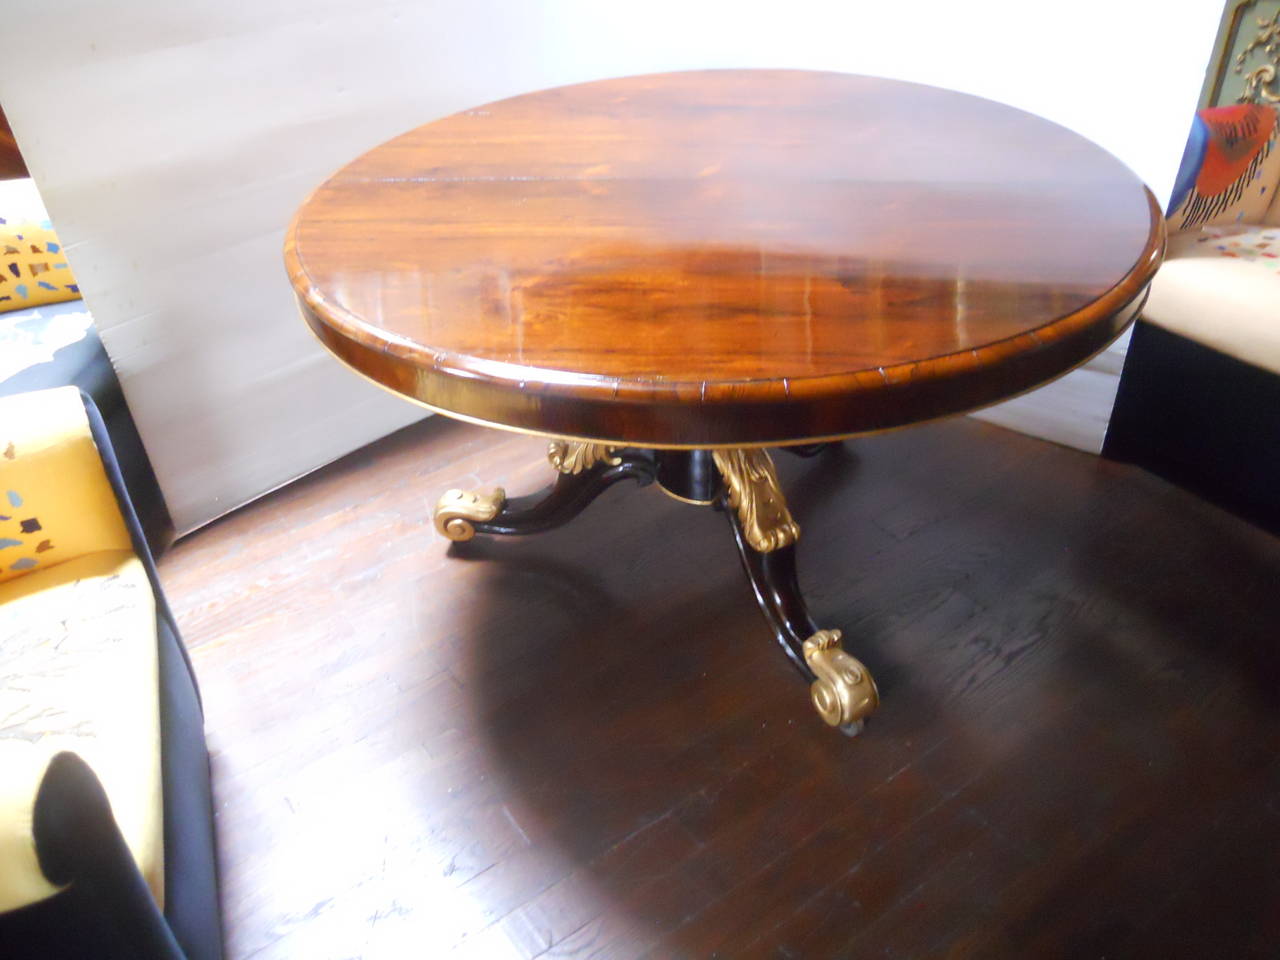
[(173, 141), (1073, 410)]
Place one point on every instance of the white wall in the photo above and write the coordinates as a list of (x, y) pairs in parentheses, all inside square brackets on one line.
[(173, 140)]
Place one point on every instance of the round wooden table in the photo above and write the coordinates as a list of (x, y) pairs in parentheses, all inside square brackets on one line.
[(669, 273)]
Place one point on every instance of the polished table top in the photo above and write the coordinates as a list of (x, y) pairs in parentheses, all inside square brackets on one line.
[(724, 258)]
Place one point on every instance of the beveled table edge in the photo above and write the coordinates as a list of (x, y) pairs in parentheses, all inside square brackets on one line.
[(1130, 315)]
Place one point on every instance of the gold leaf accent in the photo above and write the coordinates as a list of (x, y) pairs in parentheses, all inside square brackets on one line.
[(574, 456), (755, 493), (844, 693), (1258, 81), (458, 511)]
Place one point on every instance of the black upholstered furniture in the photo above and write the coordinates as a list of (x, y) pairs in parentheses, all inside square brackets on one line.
[(106, 911), (1201, 418), (1199, 397)]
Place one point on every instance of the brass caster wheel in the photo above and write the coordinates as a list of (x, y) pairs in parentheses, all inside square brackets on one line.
[(852, 729), (843, 693)]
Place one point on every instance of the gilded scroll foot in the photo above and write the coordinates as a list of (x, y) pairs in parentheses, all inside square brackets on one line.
[(843, 693), (754, 492), (458, 511), (584, 472), (841, 687)]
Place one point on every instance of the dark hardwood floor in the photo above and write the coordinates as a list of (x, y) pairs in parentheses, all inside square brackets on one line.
[(585, 744)]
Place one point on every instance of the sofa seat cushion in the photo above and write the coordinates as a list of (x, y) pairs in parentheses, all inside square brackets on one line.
[(1221, 288), (78, 672)]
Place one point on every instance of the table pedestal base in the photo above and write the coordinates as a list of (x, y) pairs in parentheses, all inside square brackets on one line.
[(742, 483)]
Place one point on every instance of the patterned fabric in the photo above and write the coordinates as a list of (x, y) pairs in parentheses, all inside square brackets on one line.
[(55, 500), (1251, 244), (78, 666), (1229, 169), (78, 653), (33, 270), (1220, 287)]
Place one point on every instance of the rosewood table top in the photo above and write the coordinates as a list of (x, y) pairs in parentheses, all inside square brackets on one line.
[(724, 258), (669, 273)]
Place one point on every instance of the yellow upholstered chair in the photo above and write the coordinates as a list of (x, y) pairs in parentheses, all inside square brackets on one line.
[(105, 817)]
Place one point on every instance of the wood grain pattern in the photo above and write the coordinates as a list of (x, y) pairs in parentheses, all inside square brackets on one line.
[(724, 257), (584, 744), (11, 163)]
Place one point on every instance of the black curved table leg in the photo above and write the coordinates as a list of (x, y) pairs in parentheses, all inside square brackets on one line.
[(842, 690), (773, 580), (461, 514), (741, 482)]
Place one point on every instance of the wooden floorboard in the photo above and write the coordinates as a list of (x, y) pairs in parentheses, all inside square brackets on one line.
[(585, 744)]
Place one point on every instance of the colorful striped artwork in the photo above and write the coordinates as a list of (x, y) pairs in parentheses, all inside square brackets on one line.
[(1225, 175)]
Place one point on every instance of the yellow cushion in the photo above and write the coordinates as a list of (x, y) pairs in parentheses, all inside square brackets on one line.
[(33, 267), (1221, 287), (55, 500), (78, 671)]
